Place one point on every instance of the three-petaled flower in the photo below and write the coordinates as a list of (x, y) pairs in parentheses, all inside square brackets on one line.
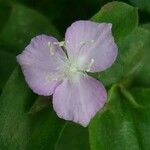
[(60, 68)]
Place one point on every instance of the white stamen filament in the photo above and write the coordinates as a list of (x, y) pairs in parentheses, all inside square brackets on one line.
[(62, 43), (90, 65), (51, 47)]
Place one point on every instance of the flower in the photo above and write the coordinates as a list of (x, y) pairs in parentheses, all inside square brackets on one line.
[(60, 68)]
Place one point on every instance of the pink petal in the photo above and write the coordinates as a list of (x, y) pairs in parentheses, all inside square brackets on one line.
[(42, 70), (79, 101), (87, 41)]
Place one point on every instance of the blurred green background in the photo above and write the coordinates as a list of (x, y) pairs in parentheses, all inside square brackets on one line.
[(28, 122)]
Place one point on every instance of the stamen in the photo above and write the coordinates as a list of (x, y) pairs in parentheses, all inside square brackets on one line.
[(90, 65), (62, 43), (51, 47)]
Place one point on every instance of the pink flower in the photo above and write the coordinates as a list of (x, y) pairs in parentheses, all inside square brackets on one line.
[(59, 68)]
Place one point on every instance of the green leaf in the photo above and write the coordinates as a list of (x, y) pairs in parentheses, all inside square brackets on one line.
[(143, 75), (19, 129), (123, 17), (4, 13), (40, 103), (146, 26), (142, 4), (14, 102), (130, 60), (120, 125), (7, 65), (141, 117), (45, 127), (23, 24), (59, 10), (76, 135)]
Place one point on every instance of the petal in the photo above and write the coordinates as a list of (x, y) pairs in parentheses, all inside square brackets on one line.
[(88, 41), (79, 101), (41, 68)]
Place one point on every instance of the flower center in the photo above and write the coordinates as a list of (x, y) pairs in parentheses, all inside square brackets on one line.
[(72, 68)]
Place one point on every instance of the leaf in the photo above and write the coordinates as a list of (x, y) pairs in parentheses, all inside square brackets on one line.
[(54, 9), (130, 60), (76, 135), (142, 4), (113, 128), (146, 26), (40, 103), (23, 24), (120, 125), (123, 17), (19, 129), (7, 65), (14, 102), (141, 117), (45, 127), (4, 14), (143, 75)]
